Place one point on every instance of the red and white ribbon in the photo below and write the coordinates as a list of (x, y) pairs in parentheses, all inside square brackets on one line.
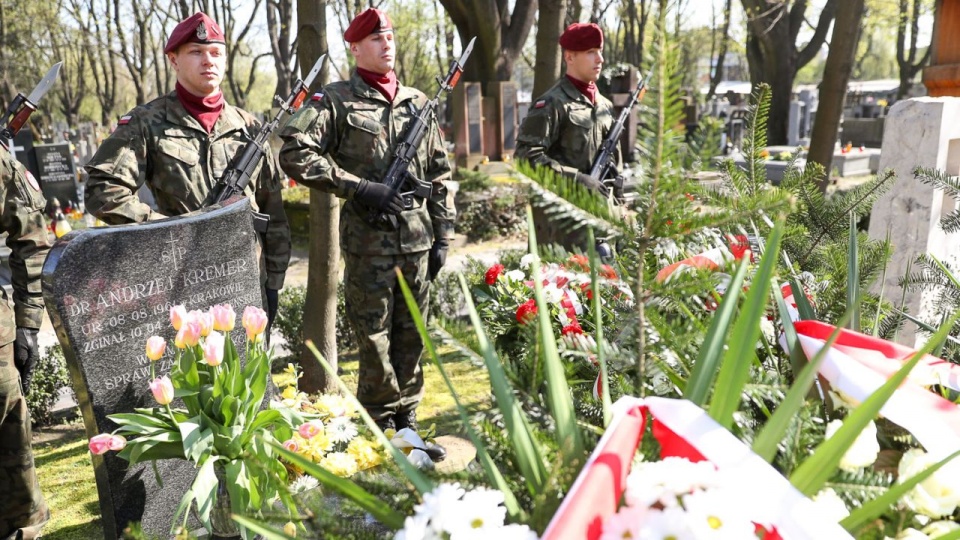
[(711, 260), (683, 430), (858, 365)]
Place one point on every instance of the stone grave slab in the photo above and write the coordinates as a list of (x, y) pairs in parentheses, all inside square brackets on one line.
[(107, 290), (853, 163), (58, 173)]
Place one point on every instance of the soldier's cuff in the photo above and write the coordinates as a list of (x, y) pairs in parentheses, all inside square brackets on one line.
[(569, 172), (347, 184), (30, 317), (275, 280)]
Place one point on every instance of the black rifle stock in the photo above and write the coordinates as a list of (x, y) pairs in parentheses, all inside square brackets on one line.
[(414, 190), (603, 161)]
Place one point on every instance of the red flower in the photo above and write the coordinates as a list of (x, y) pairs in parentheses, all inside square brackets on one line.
[(585, 288), (562, 281), (739, 246), (493, 273), (580, 260), (608, 272), (527, 311), (572, 328)]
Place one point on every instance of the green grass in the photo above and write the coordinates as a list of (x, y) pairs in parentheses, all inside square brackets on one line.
[(66, 472)]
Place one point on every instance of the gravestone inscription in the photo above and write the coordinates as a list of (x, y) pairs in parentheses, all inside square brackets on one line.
[(58, 173), (107, 290)]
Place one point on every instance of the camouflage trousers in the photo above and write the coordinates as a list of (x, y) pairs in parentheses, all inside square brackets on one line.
[(390, 379), (23, 511)]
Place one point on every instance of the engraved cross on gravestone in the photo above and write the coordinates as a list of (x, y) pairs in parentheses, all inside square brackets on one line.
[(109, 289)]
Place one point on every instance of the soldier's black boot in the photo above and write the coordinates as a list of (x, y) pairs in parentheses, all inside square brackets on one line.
[(434, 451), (386, 423)]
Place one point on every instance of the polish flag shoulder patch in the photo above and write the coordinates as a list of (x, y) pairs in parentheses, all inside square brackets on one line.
[(124, 120), (31, 180), (316, 97), (540, 104)]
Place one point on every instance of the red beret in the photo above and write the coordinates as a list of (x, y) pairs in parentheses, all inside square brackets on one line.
[(582, 37), (371, 21), (198, 28)]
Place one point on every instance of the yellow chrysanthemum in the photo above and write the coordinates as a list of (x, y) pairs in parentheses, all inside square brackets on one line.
[(289, 392), (332, 406), (341, 464), (314, 448), (365, 452)]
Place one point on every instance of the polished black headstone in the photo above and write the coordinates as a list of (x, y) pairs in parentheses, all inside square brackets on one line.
[(107, 290), (58, 173)]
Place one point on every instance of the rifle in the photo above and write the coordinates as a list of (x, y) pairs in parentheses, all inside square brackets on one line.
[(236, 178), (22, 107), (603, 161), (398, 177)]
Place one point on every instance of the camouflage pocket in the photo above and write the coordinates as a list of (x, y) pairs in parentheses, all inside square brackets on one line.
[(578, 133), (361, 141)]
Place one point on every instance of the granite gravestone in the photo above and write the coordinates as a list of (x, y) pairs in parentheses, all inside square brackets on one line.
[(109, 289), (58, 173)]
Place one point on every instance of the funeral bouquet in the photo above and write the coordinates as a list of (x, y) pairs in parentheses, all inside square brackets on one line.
[(334, 437), (222, 426)]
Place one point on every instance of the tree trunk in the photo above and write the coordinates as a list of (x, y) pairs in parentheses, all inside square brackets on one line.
[(500, 34), (907, 54), (549, 27), (320, 318), (717, 74), (773, 54), (833, 89)]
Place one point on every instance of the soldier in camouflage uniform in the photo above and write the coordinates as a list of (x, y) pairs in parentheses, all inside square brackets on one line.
[(181, 143), (342, 142), (23, 510), (566, 126)]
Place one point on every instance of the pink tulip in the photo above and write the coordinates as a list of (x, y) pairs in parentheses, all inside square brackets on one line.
[(213, 349), (189, 335), (291, 445), (155, 348), (254, 321), (206, 323), (162, 390), (310, 429), (117, 443), (224, 318), (100, 444), (178, 314)]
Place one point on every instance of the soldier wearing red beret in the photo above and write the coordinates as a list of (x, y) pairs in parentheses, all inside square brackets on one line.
[(565, 127), (181, 143), (343, 143)]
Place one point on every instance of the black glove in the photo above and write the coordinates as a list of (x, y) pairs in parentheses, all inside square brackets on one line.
[(590, 182), (380, 197), (618, 192), (438, 257), (26, 352)]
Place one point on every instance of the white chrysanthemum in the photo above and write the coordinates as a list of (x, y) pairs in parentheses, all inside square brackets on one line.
[(516, 532), (912, 534), (439, 504), (341, 429), (939, 494), (666, 524), (664, 481), (480, 510), (526, 260), (416, 527), (516, 275), (303, 484), (830, 506), (625, 524), (716, 514), (864, 450)]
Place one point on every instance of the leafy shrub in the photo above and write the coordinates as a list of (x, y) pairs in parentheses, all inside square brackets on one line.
[(49, 376), (497, 211)]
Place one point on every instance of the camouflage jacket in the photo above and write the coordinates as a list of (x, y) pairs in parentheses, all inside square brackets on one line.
[(348, 132), (161, 145), (564, 131), (28, 239)]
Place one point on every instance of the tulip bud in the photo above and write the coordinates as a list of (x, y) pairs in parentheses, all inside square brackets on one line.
[(162, 390), (156, 346), (254, 321), (117, 443), (178, 314), (188, 336), (213, 349), (291, 445), (206, 322), (290, 529), (100, 444), (224, 318), (310, 429)]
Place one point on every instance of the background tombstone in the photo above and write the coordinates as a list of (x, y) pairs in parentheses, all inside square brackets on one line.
[(920, 132), (621, 86), (22, 150), (502, 97), (468, 124), (58, 172), (107, 290)]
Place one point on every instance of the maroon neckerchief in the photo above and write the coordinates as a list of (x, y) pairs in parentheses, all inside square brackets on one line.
[(386, 84), (588, 89), (205, 109)]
